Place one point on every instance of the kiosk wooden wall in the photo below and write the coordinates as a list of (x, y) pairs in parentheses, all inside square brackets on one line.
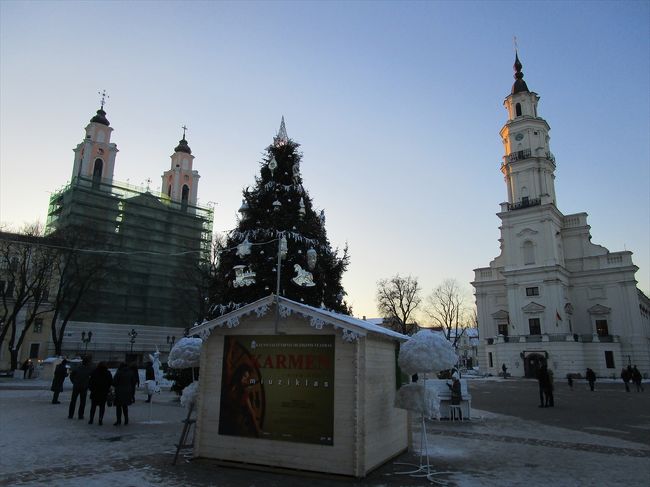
[(368, 429)]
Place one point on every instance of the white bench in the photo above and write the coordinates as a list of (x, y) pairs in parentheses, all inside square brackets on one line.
[(444, 394)]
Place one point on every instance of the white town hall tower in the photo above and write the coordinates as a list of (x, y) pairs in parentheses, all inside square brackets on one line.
[(552, 297)]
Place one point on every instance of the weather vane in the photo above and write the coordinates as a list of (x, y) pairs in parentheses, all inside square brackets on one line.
[(104, 96), (184, 129)]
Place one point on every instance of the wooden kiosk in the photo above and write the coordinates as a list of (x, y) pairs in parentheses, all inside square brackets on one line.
[(287, 385)]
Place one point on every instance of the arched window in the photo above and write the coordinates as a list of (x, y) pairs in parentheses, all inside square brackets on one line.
[(529, 252), (97, 172), (169, 190), (518, 109), (185, 195)]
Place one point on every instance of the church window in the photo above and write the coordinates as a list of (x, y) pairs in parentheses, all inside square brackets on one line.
[(503, 329), (609, 359), (532, 291), (534, 326), (97, 172), (529, 252), (169, 190), (490, 358), (185, 195), (38, 325), (518, 109), (601, 328)]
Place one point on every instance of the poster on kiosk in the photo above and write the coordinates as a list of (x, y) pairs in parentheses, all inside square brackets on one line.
[(278, 387)]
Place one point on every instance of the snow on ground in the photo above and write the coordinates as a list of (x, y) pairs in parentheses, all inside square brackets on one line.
[(502, 450), (40, 446)]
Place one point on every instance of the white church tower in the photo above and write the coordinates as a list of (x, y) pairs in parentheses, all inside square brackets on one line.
[(94, 157), (552, 297), (181, 183)]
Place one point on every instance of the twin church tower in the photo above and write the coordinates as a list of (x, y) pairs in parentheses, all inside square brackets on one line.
[(153, 245)]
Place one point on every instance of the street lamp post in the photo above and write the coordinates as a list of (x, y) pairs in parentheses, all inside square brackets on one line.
[(170, 342), (85, 338), (132, 336)]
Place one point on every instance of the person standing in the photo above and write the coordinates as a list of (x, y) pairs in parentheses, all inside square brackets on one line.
[(25, 367), (60, 373), (637, 379), (505, 370), (79, 378), (591, 378), (136, 379), (123, 383), (149, 375), (456, 394), (99, 384), (545, 387), (626, 376)]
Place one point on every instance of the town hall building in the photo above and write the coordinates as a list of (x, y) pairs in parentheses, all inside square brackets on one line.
[(552, 297)]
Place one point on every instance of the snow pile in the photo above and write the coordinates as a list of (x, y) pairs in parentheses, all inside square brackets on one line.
[(185, 354), (426, 351), (419, 399), (190, 393)]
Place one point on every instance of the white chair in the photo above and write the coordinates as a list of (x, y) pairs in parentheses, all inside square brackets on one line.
[(454, 410)]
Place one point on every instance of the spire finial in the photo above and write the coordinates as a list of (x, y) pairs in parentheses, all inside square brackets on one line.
[(184, 129), (519, 84), (104, 96), (282, 137)]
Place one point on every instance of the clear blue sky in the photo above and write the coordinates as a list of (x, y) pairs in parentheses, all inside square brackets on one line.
[(397, 106)]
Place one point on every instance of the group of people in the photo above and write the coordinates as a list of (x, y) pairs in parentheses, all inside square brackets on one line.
[(117, 389), (28, 368), (632, 374)]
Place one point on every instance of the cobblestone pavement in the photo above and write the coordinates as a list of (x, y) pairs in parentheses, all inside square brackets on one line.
[(42, 447)]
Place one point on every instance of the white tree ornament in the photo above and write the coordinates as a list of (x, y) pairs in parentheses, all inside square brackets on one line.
[(243, 277), (311, 259), (244, 248), (273, 164), (303, 278)]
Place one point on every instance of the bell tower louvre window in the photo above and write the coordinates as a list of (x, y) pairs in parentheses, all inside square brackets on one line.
[(97, 173), (518, 109)]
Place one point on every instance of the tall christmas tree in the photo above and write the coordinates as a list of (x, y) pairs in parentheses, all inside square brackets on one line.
[(279, 226)]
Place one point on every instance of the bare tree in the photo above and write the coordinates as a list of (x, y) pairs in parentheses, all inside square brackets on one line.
[(397, 299), (26, 267), (79, 265), (447, 307), (198, 274)]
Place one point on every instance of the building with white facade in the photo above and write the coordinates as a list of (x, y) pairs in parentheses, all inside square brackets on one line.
[(552, 296)]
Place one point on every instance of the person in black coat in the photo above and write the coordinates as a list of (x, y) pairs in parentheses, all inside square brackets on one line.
[(99, 385), (60, 373), (135, 373), (591, 378), (79, 378), (123, 383)]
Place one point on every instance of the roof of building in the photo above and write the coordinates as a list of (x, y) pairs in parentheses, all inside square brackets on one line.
[(100, 117), (182, 146), (519, 84), (352, 328)]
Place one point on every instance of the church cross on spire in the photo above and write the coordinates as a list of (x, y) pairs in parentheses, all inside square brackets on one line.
[(184, 129), (104, 96)]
